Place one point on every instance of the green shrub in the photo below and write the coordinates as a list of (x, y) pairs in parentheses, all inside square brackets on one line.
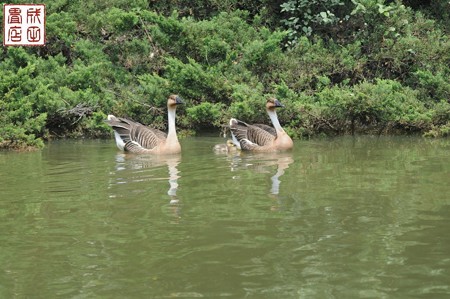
[(369, 66), (305, 17), (205, 115), (119, 20), (385, 105), (196, 82), (432, 86)]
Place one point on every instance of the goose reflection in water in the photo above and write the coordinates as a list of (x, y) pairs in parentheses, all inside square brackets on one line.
[(141, 167), (173, 178), (282, 164), (263, 163)]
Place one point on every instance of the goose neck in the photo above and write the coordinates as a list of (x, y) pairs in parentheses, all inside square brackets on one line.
[(171, 121), (274, 118)]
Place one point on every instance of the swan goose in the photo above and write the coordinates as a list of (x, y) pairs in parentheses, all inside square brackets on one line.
[(136, 138), (259, 137)]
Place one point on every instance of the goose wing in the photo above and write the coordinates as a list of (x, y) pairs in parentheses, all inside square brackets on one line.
[(147, 137), (267, 128), (250, 137), (134, 136)]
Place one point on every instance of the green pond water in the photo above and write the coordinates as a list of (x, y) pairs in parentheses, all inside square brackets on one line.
[(349, 217)]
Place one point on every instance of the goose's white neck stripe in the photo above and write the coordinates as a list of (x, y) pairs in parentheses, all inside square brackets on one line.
[(171, 120), (274, 118)]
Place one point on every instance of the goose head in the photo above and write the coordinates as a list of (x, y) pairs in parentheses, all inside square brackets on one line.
[(231, 148), (273, 103), (230, 143), (173, 101)]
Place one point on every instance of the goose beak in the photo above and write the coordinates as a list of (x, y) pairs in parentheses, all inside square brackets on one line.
[(278, 103), (179, 100)]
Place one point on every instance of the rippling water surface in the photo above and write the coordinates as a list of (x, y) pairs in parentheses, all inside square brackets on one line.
[(360, 217)]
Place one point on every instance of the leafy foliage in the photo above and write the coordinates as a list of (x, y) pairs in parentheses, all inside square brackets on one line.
[(339, 66), (303, 17)]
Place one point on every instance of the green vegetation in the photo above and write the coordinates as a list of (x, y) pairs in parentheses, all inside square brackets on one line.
[(340, 67)]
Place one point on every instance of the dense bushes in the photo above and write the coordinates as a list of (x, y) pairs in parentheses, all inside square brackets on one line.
[(357, 67)]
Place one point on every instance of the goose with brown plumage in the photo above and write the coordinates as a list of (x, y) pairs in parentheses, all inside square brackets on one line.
[(136, 138), (259, 137)]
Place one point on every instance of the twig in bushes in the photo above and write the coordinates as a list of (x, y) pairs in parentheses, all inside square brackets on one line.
[(321, 119), (79, 110)]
